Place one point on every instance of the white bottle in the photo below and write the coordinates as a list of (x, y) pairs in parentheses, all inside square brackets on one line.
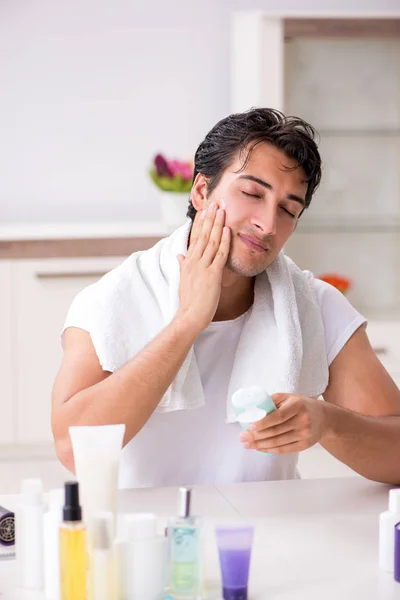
[(141, 559), (102, 561), (29, 534), (51, 544), (387, 522)]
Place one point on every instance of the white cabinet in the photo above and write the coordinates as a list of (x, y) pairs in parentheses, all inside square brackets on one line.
[(340, 72), (42, 291), (7, 388)]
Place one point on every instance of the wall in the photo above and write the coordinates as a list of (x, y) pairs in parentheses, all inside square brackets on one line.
[(91, 89)]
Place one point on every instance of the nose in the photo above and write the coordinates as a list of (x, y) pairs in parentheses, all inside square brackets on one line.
[(265, 220)]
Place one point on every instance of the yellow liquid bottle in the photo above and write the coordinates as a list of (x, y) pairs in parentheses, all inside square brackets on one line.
[(73, 547)]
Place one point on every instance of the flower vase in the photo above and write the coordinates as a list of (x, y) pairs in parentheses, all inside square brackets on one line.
[(174, 206)]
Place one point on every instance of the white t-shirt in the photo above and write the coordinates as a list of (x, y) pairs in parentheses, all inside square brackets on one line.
[(197, 446)]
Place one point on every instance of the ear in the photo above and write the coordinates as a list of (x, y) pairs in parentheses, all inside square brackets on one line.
[(199, 192)]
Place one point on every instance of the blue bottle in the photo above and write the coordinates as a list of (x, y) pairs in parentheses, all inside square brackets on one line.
[(185, 568)]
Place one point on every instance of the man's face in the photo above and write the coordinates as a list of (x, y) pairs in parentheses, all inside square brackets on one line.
[(261, 214)]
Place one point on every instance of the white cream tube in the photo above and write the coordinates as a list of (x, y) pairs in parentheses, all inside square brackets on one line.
[(96, 454)]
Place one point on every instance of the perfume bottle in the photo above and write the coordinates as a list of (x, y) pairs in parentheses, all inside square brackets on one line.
[(73, 547), (185, 552)]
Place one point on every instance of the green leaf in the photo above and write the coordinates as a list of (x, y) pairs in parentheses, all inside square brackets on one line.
[(171, 184)]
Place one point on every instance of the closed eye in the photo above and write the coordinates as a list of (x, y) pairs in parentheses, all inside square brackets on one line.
[(250, 195), (293, 216), (288, 212)]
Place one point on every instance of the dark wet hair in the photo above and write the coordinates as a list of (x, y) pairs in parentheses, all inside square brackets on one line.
[(241, 131)]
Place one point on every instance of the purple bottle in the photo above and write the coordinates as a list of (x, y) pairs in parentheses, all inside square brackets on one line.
[(234, 545), (397, 552)]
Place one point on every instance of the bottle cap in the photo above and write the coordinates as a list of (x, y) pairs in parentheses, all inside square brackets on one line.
[(32, 491), (394, 500), (140, 526), (185, 495), (72, 510), (249, 397), (102, 528)]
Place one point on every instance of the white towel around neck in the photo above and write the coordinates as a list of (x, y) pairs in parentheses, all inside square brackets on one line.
[(134, 302)]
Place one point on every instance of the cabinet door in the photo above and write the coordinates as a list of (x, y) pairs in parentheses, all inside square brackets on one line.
[(7, 396), (257, 61), (42, 293)]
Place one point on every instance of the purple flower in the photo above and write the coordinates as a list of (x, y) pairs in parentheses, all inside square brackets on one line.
[(162, 167)]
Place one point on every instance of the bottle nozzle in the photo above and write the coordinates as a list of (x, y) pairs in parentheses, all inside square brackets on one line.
[(184, 502), (72, 510)]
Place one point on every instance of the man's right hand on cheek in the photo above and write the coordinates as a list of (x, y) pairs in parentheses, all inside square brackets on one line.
[(202, 268)]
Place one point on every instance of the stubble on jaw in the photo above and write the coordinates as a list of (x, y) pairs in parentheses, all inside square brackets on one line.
[(241, 267)]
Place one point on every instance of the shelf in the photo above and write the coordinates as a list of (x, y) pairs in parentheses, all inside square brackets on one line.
[(341, 28), (350, 225), (81, 230), (393, 133)]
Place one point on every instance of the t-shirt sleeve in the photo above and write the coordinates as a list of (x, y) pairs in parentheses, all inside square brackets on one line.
[(80, 311), (340, 318)]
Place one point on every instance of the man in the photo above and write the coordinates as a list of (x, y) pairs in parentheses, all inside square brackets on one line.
[(255, 173)]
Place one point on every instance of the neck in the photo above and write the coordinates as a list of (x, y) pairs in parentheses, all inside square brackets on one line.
[(237, 295)]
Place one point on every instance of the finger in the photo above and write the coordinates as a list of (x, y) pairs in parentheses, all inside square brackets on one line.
[(284, 413), (204, 236), (223, 251), (278, 399), (214, 240), (290, 437), (270, 432), (196, 230), (288, 448)]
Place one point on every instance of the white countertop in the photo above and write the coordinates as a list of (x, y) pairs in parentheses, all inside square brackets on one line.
[(315, 539), (53, 231)]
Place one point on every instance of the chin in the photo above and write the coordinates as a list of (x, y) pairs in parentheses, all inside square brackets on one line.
[(246, 268)]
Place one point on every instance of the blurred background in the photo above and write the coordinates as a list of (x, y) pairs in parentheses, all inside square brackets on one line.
[(91, 91)]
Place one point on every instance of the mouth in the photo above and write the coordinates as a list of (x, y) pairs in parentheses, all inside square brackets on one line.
[(254, 243)]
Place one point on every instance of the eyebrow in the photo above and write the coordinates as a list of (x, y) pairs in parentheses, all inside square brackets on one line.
[(270, 187)]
